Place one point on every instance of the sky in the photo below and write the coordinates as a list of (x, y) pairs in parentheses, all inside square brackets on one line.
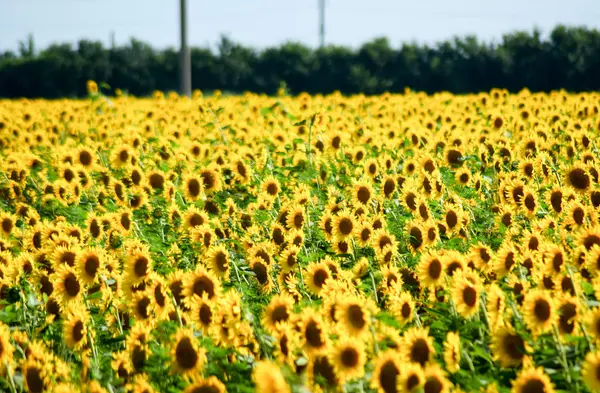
[(263, 23)]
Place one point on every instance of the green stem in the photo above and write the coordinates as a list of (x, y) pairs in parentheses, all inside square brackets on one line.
[(13, 388)]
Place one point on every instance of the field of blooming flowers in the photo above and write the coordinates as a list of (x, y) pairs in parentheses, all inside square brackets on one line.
[(392, 243)]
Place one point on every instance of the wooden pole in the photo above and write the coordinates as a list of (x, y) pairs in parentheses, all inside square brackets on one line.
[(185, 62)]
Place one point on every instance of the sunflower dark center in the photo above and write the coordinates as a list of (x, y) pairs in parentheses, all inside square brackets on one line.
[(470, 296), (419, 352), (221, 262), (185, 354), (320, 277), (432, 385), (72, 286), (314, 335), (92, 264), (451, 219), (542, 310), (209, 180), (356, 316), (534, 385), (579, 179), (280, 313), (78, 331), (345, 226), (204, 285), (514, 346), (434, 269), (388, 376), (35, 383), (349, 357), (416, 237)]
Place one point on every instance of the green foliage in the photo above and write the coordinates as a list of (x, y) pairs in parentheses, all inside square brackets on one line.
[(567, 59)]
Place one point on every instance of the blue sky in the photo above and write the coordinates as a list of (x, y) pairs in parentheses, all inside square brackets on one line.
[(262, 23)]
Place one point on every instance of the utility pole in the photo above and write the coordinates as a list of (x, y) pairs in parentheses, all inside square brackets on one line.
[(321, 23), (185, 62)]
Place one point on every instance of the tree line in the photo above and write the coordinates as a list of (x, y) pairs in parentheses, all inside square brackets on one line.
[(569, 58)]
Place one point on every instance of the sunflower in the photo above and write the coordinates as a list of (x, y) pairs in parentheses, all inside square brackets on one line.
[(200, 283), (162, 303), (85, 157), (262, 274), (577, 215), (590, 237), (418, 346), (578, 178), (402, 306), (569, 310), (89, 264), (591, 371), (431, 270), (313, 332), (452, 352), (204, 313), (142, 306), (270, 187), (6, 348), (286, 344), (343, 225), (412, 378), (241, 172), (363, 193), (296, 218), (278, 234), (463, 176), (7, 223), (193, 186), (194, 217), (64, 255), (529, 202), (66, 284), (539, 311), (554, 260), (279, 311), (454, 157), (317, 273), (211, 180), (207, 385), (218, 260), (349, 358), (75, 327), (454, 262), (409, 196), (555, 199), (505, 260), (353, 316), (435, 381), (35, 376), (388, 187), (453, 219), (138, 266), (326, 225), (382, 238), (123, 156), (417, 236), (532, 380), (371, 167), (387, 373), (119, 191), (495, 305), (188, 357)]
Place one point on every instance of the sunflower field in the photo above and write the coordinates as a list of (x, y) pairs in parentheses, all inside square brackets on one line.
[(393, 243)]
